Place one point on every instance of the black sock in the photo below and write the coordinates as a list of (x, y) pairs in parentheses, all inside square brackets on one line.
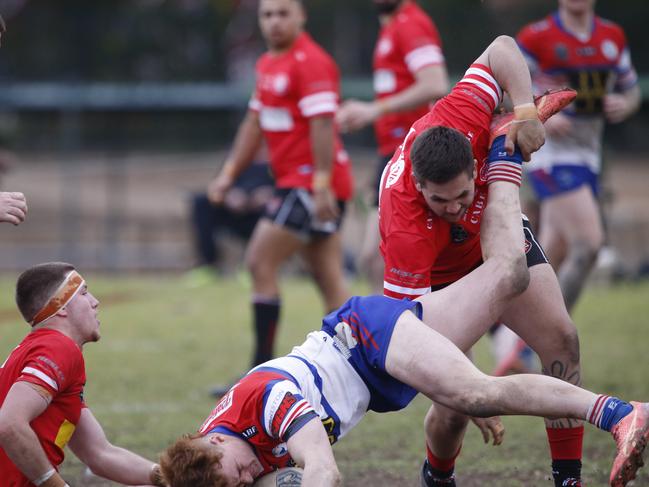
[(564, 470), (266, 315), (434, 477)]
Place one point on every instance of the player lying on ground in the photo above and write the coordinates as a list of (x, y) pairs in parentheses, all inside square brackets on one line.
[(377, 353)]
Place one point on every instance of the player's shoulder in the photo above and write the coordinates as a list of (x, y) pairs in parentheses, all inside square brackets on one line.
[(307, 51), (609, 27), (537, 28)]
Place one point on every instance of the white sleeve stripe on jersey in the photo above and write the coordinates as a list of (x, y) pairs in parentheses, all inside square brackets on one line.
[(254, 104), (484, 74), (405, 290), (481, 73), (42, 376), (484, 87), (424, 56), (299, 409), (320, 108), (317, 98)]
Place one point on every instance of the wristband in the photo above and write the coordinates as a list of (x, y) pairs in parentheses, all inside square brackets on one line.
[(525, 112), (321, 180), (44, 478)]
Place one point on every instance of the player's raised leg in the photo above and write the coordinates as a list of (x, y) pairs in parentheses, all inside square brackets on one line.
[(429, 362)]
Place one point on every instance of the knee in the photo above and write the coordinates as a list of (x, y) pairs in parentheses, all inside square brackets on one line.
[(257, 265), (447, 420), (584, 252), (562, 356)]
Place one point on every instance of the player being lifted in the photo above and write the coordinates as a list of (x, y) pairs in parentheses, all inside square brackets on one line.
[(376, 353)]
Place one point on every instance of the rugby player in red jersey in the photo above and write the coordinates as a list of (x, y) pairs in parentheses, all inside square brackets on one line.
[(434, 193), (575, 47), (292, 110), (409, 74), (42, 408)]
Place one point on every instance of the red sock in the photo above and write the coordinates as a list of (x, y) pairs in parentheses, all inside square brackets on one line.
[(441, 464), (566, 443)]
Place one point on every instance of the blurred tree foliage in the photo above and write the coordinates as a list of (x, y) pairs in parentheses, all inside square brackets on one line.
[(188, 40)]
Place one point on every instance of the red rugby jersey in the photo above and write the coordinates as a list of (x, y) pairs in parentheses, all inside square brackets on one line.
[(419, 248), (291, 88), (54, 361), (264, 409), (406, 44)]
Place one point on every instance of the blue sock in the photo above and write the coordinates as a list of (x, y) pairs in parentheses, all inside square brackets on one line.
[(608, 411)]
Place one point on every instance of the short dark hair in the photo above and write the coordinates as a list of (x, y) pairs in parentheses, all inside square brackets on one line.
[(187, 464), (439, 154), (37, 284)]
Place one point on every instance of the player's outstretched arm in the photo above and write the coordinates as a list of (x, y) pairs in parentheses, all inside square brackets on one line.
[(246, 144), (90, 445), (24, 403), (311, 449)]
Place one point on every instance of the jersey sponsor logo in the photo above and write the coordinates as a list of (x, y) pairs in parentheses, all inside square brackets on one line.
[(395, 172), (561, 51), (222, 406), (609, 49), (385, 81), (586, 51), (287, 402), (280, 450), (475, 212), (280, 83), (274, 119), (249, 432), (49, 362), (345, 335), (528, 246), (330, 425), (458, 234), (384, 47)]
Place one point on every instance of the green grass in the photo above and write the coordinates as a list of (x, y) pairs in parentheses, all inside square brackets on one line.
[(164, 345)]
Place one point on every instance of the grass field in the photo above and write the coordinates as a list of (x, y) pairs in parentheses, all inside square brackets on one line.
[(164, 345)]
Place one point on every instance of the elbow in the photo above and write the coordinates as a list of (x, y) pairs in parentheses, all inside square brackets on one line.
[(505, 41)]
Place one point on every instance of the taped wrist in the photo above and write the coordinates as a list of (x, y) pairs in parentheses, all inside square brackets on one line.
[(502, 166)]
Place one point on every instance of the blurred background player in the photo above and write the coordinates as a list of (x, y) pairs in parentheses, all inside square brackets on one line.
[(292, 109), (42, 408), (574, 47), (237, 215), (409, 74)]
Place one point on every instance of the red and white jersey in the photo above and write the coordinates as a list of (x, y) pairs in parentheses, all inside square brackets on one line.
[(594, 65), (291, 88), (277, 398), (406, 44), (419, 248), (53, 361)]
